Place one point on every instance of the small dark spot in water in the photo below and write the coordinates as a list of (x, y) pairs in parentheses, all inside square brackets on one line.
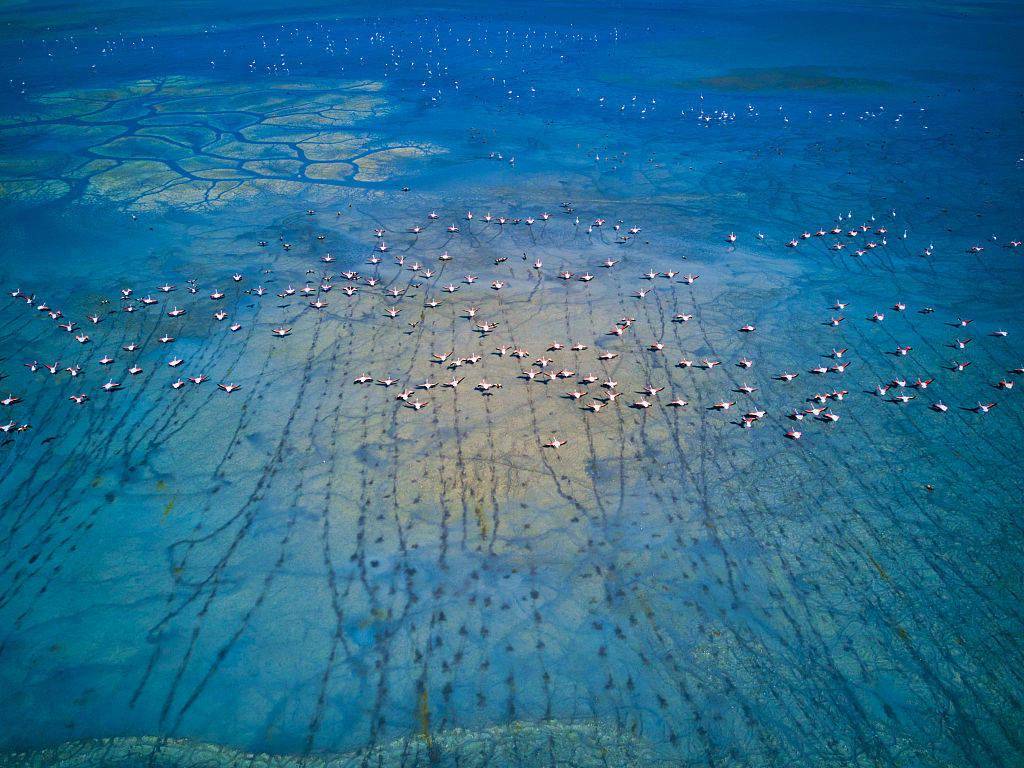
[(785, 79)]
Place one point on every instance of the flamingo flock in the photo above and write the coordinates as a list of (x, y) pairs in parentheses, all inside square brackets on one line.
[(582, 370)]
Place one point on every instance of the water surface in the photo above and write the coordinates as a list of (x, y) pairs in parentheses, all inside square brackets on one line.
[(306, 569)]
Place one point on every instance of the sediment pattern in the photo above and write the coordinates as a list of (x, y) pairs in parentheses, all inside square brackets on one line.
[(189, 142)]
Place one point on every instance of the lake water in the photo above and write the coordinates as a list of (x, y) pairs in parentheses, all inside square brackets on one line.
[(307, 571)]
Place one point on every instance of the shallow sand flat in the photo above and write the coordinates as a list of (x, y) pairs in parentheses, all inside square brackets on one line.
[(380, 164), (259, 149), (192, 135), (331, 171), (62, 137), (222, 173), (223, 121), (195, 163), (284, 168), (331, 146), (133, 178), (143, 133), (149, 147), (33, 190), (85, 169)]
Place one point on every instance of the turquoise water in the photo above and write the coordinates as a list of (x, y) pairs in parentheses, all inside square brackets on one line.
[(305, 570)]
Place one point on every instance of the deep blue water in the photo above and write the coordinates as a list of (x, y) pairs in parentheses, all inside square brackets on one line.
[(305, 567)]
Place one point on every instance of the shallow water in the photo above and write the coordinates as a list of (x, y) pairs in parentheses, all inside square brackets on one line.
[(306, 571)]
